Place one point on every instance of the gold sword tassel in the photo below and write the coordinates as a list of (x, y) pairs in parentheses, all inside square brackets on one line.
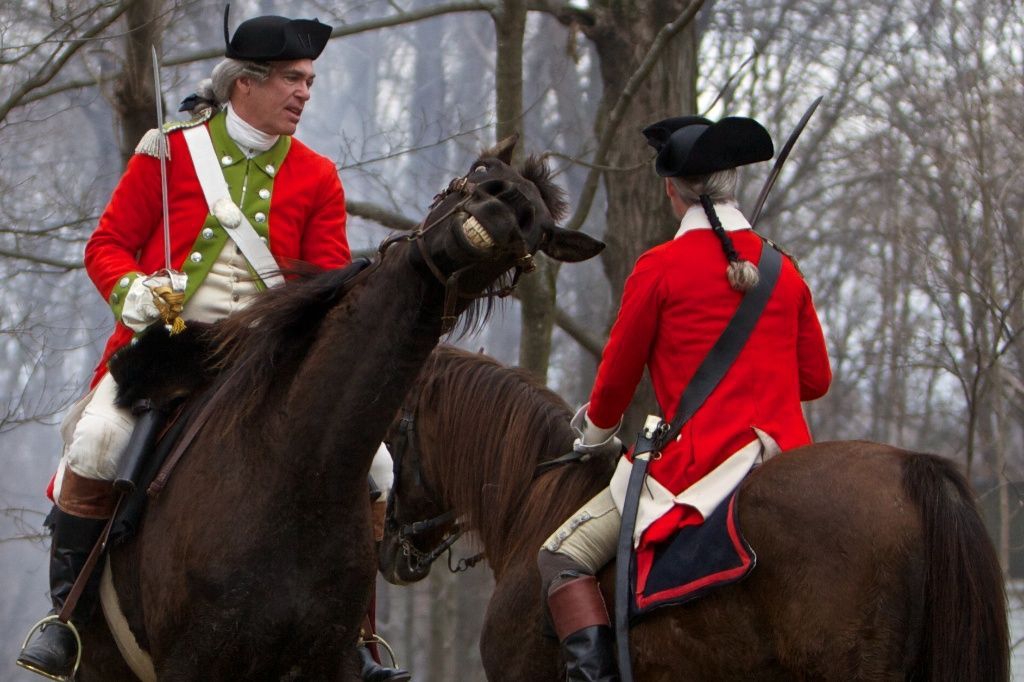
[(170, 303)]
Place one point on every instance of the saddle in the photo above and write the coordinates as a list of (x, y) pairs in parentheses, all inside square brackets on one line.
[(162, 379), (695, 561)]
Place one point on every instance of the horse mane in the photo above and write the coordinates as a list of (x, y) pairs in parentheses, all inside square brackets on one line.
[(276, 330), (536, 170), (458, 398), (273, 334), (476, 314)]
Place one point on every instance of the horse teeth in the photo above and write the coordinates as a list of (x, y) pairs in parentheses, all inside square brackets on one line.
[(476, 234)]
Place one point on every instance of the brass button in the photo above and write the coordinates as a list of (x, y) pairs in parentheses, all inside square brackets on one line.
[(260, 217), (264, 193), (196, 257), (208, 233), (226, 160)]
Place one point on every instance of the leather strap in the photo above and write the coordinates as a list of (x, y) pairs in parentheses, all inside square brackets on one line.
[(87, 568), (708, 375), (624, 557), (211, 179), (158, 483)]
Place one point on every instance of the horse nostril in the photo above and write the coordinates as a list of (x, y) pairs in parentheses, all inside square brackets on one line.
[(511, 196), (494, 188)]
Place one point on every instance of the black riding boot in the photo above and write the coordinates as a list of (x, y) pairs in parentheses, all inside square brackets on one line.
[(52, 651), (581, 621), (372, 671)]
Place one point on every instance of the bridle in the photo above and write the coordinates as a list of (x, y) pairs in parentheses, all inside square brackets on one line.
[(405, 454), (464, 187)]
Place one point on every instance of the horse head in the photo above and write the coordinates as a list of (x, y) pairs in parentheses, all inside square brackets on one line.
[(472, 444), (482, 230)]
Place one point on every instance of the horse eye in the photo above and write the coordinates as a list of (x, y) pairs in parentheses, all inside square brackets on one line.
[(479, 169)]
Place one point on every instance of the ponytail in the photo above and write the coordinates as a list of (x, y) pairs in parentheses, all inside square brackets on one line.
[(742, 274)]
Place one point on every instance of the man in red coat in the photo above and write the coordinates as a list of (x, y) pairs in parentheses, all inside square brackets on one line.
[(246, 200), (675, 305)]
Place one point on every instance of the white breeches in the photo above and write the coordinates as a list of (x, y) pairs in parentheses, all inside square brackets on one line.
[(95, 442), (590, 536)]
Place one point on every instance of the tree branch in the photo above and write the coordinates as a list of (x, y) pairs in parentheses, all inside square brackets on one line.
[(589, 341), (42, 260), (381, 215), (56, 61), (338, 32), (566, 13)]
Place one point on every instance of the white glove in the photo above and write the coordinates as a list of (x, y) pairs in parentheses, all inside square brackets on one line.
[(593, 440), (381, 469), (139, 310)]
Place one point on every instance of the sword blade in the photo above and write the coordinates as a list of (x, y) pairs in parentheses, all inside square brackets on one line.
[(783, 155), (163, 160)]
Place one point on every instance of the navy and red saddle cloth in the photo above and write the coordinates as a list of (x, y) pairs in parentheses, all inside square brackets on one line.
[(696, 561)]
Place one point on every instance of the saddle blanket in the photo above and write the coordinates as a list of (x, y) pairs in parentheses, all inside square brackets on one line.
[(697, 560)]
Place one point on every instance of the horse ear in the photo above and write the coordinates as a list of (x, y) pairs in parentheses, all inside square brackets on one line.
[(571, 246), (503, 150)]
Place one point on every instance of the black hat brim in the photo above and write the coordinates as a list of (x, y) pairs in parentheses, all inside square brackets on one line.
[(703, 149), (277, 39)]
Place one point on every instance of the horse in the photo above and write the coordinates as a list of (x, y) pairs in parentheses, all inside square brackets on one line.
[(256, 561), (872, 562)]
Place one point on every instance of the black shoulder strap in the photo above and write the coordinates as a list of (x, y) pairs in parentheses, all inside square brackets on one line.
[(721, 356), (710, 372)]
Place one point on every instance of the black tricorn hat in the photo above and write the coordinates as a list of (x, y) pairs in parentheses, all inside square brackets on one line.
[(696, 146), (276, 39), (657, 134)]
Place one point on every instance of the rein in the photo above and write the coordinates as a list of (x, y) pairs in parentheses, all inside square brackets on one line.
[(403, 446)]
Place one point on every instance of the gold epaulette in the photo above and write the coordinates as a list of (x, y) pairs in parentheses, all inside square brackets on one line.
[(152, 141)]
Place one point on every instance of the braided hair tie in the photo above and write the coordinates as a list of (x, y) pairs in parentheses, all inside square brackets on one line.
[(742, 274)]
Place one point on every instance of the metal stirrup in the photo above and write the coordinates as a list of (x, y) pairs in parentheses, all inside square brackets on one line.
[(54, 619)]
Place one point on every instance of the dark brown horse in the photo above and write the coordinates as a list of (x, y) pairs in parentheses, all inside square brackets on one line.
[(872, 562), (255, 562)]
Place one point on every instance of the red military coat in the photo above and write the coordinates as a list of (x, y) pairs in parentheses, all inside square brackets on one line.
[(293, 198), (675, 305)]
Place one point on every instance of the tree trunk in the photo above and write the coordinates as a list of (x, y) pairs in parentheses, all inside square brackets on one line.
[(537, 310), (509, 29), (537, 292), (134, 98), (638, 214)]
